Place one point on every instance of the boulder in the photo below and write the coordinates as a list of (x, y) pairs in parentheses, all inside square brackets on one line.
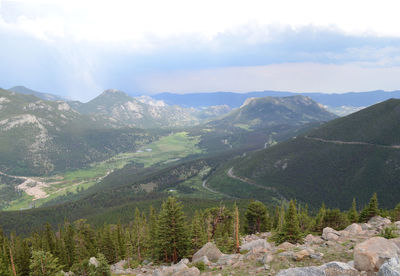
[(379, 222), (302, 271), (390, 268), (268, 257), (298, 256), (397, 224), (353, 229), (94, 261), (339, 269), (310, 239), (260, 243), (396, 242), (210, 251), (118, 268), (193, 271), (330, 234), (286, 246), (366, 226), (202, 259), (228, 259), (372, 253)]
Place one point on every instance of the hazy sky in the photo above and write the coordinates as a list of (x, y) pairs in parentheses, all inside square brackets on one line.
[(79, 48)]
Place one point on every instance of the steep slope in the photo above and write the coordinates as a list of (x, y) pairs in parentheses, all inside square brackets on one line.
[(39, 137), (44, 96), (117, 109), (353, 156)]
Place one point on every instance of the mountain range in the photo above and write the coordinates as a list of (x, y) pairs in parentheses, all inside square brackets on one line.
[(118, 150)]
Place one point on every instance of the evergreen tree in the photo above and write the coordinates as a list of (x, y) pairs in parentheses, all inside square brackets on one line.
[(236, 227), (153, 235), (69, 245), (319, 220), (172, 231), (353, 213), (291, 229), (49, 239), (44, 264), (120, 242), (305, 221), (22, 256), (107, 245), (371, 210), (396, 213), (256, 217), (198, 233), (4, 256)]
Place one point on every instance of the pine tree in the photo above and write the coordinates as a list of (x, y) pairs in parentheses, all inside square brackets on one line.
[(44, 264), (198, 233), (256, 217), (353, 213), (396, 213), (107, 245), (305, 221), (291, 229), (172, 231), (319, 220), (153, 235), (4, 256), (139, 234), (69, 245), (371, 210), (236, 228), (22, 256), (120, 242)]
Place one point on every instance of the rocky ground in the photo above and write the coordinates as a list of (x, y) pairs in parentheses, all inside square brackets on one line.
[(357, 250)]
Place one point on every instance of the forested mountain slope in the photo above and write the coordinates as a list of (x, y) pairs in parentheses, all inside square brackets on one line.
[(348, 157)]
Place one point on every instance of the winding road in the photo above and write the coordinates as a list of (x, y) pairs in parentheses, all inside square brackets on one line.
[(250, 182), (213, 191), (338, 142)]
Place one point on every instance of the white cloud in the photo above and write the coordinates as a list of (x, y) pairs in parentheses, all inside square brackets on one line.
[(136, 21)]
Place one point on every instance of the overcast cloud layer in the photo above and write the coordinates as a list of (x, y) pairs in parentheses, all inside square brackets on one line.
[(78, 49)]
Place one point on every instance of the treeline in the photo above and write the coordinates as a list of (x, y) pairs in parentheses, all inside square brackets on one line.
[(165, 236)]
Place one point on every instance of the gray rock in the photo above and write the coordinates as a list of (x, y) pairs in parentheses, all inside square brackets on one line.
[(158, 272), (339, 269), (390, 268), (260, 243), (267, 258), (302, 271), (203, 259), (193, 271), (372, 253), (330, 234), (353, 229), (210, 251), (94, 261), (228, 259)]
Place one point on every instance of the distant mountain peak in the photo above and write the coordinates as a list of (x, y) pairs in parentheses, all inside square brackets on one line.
[(27, 91)]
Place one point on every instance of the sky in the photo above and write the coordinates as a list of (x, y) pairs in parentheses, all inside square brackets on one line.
[(77, 49)]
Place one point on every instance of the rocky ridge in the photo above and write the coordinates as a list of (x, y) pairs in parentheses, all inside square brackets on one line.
[(356, 250)]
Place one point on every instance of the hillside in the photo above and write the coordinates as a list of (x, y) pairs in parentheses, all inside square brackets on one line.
[(116, 109), (44, 96), (353, 156), (269, 111)]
